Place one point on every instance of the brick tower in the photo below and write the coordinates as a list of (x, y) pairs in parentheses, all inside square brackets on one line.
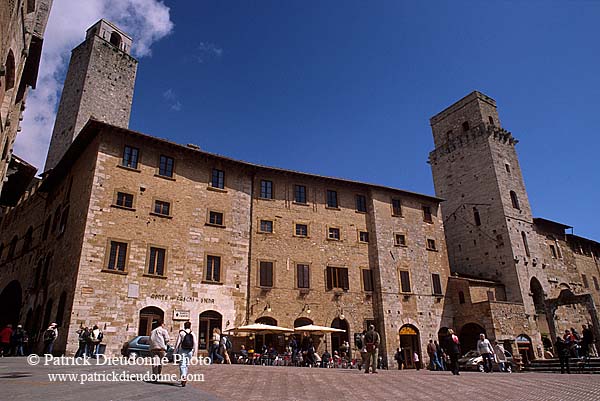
[(487, 217), (99, 84)]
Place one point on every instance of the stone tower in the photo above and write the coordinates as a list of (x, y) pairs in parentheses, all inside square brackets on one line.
[(99, 84), (487, 217)]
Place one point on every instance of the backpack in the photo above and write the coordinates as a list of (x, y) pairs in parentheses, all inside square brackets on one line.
[(228, 344), (188, 340), (49, 335)]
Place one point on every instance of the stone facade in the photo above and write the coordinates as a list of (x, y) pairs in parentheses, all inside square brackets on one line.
[(99, 85), (492, 236), (22, 26)]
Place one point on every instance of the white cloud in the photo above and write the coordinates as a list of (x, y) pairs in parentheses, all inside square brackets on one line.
[(147, 21), (208, 51), (171, 97)]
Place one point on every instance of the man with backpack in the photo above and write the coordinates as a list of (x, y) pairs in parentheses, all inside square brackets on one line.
[(159, 338), (50, 336), (186, 345)]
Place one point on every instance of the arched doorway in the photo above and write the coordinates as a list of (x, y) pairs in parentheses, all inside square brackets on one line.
[(469, 335), (150, 317), (525, 348), (410, 343), (270, 340), (537, 293), (302, 321), (11, 299), (209, 321), (338, 338)]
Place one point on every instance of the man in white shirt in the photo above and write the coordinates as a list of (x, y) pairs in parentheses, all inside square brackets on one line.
[(159, 338), (485, 349)]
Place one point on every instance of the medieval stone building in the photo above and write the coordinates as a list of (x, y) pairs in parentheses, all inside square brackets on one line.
[(126, 229), (516, 278), (22, 26)]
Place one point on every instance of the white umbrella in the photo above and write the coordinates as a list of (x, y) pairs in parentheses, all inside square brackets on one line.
[(259, 328), (321, 329)]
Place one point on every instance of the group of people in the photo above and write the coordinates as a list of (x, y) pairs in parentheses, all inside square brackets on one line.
[(13, 342), (90, 340), (574, 345)]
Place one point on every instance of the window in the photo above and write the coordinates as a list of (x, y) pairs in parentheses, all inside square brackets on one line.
[(266, 189), (514, 200), (266, 226), (266, 274), (367, 276), (46, 228), (56, 219), (130, 157), (596, 286), (476, 217), (156, 263), (404, 281), (303, 275), (461, 297), (491, 295), (431, 244), (27, 240), (299, 194), (218, 179), (337, 277), (396, 207), (334, 233), (553, 251), (165, 167), (125, 200), (585, 281), (427, 214), (558, 251), (437, 284), (399, 239), (363, 236), (465, 126), (525, 244), (361, 203), (117, 256), (63, 220), (12, 248), (301, 230), (507, 167), (213, 269), (162, 208), (332, 199), (491, 120), (215, 218)]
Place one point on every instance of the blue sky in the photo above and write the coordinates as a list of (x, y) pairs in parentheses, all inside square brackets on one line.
[(346, 88)]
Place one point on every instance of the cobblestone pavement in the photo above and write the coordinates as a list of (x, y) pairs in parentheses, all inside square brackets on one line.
[(19, 381)]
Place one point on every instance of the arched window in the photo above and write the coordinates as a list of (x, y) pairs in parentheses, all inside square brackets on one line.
[(115, 39), (514, 200), (46, 270), (63, 220), (525, 244), (12, 248), (476, 217), (461, 297), (30, 6), (56, 218), (9, 77), (28, 239)]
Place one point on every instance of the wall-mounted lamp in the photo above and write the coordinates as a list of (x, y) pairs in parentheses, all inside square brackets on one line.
[(306, 308), (342, 317), (267, 308)]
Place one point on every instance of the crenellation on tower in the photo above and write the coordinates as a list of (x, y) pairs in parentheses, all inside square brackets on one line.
[(99, 84)]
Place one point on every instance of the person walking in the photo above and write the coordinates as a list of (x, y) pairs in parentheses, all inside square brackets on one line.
[(185, 345), (417, 361), (452, 348), (214, 348), (500, 356), (440, 357), (485, 349), (372, 340), (159, 338), (399, 357), (96, 336), (587, 341), (224, 346), (84, 334), (362, 347), (562, 349), (5, 337), (18, 339), (431, 354), (50, 336)]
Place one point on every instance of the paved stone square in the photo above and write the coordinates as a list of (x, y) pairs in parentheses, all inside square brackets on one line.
[(20, 381)]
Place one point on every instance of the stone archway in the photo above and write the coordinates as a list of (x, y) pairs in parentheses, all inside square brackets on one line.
[(11, 299), (208, 321), (468, 336), (150, 317), (410, 343)]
